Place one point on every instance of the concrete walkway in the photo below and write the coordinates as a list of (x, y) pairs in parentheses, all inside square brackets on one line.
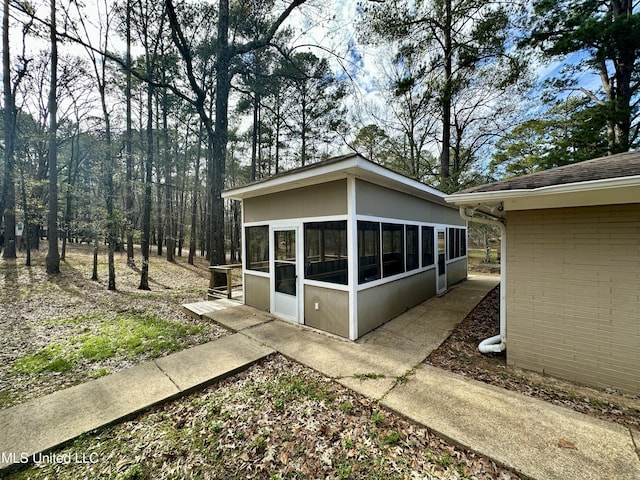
[(526, 434), (44, 423)]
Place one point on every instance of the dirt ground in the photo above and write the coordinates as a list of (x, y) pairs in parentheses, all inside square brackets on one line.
[(459, 354), (37, 311)]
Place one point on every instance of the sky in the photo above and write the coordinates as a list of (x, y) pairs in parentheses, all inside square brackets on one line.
[(330, 28), (333, 26)]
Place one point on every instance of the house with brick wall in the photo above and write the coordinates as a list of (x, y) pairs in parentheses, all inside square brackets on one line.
[(571, 268)]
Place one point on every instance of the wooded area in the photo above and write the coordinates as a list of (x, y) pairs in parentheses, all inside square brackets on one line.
[(123, 121)]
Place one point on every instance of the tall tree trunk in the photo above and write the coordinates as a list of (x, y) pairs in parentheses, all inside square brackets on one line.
[(146, 213), (53, 256), (303, 131), (445, 169), (8, 200), (159, 212), (194, 202), (202, 232), (181, 181), (68, 198), (278, 124), (131, 262), (255, 136), (180, 226), (168, 192), (94, 275), (111, 220), (27, 223), (170, 236), (223, 86)]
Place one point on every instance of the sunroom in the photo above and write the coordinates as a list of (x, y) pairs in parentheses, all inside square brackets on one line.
[(346, 245)]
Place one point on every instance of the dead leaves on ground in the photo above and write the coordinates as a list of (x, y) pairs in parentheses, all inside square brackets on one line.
[(459, 354), (275, 420), (562, 443)]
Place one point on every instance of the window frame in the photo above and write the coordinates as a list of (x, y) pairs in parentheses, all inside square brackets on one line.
[(248, 250), (393, 246), (430, 235), (426, 232), (361, 238), (457, 243), (412, 263), (324, 275)]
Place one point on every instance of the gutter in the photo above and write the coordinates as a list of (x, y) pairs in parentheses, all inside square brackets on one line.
[(497, 343), (591, 186)]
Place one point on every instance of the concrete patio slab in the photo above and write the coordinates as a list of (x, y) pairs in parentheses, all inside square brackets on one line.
[(239, 318), (198, 309)]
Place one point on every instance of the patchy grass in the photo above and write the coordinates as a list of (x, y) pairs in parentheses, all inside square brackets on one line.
[(51, 358), (57, 331), (131, 334), (377, 418), (239, 429), (128, 335), (392, 438)]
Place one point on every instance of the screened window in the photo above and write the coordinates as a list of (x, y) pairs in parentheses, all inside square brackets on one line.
[(428, 257), (325, 247), (368, 251), (413, 259), (457, 242), (257, 248), (392, 249)]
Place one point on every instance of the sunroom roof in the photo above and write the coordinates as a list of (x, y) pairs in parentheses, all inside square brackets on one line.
[(336, 168)]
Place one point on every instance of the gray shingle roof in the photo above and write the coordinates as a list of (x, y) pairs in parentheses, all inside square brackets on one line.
[(614, 166)]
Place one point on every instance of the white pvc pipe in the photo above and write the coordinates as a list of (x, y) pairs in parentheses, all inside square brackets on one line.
[(497, 343), (492, 345)]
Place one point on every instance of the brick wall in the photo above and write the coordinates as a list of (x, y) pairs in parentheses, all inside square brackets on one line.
[(573, 293)]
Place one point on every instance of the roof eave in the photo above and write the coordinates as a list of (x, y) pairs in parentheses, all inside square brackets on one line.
[(355, 166), (594, 192)]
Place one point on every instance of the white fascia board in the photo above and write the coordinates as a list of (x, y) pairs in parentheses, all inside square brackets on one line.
[(594, 192), (284, 182), (355, 165)]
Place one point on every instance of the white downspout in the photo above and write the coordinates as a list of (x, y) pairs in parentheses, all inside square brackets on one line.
[(498, 343)]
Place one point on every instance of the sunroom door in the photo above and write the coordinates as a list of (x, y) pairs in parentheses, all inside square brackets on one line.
[(285, 277), (441, 260)]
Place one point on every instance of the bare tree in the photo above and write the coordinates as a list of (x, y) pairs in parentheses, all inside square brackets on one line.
[(226, 52), (99, 64), (128, 142), (53, 255), (8, 201)]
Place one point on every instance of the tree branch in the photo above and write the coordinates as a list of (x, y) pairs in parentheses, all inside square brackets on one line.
[(267, 37)]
